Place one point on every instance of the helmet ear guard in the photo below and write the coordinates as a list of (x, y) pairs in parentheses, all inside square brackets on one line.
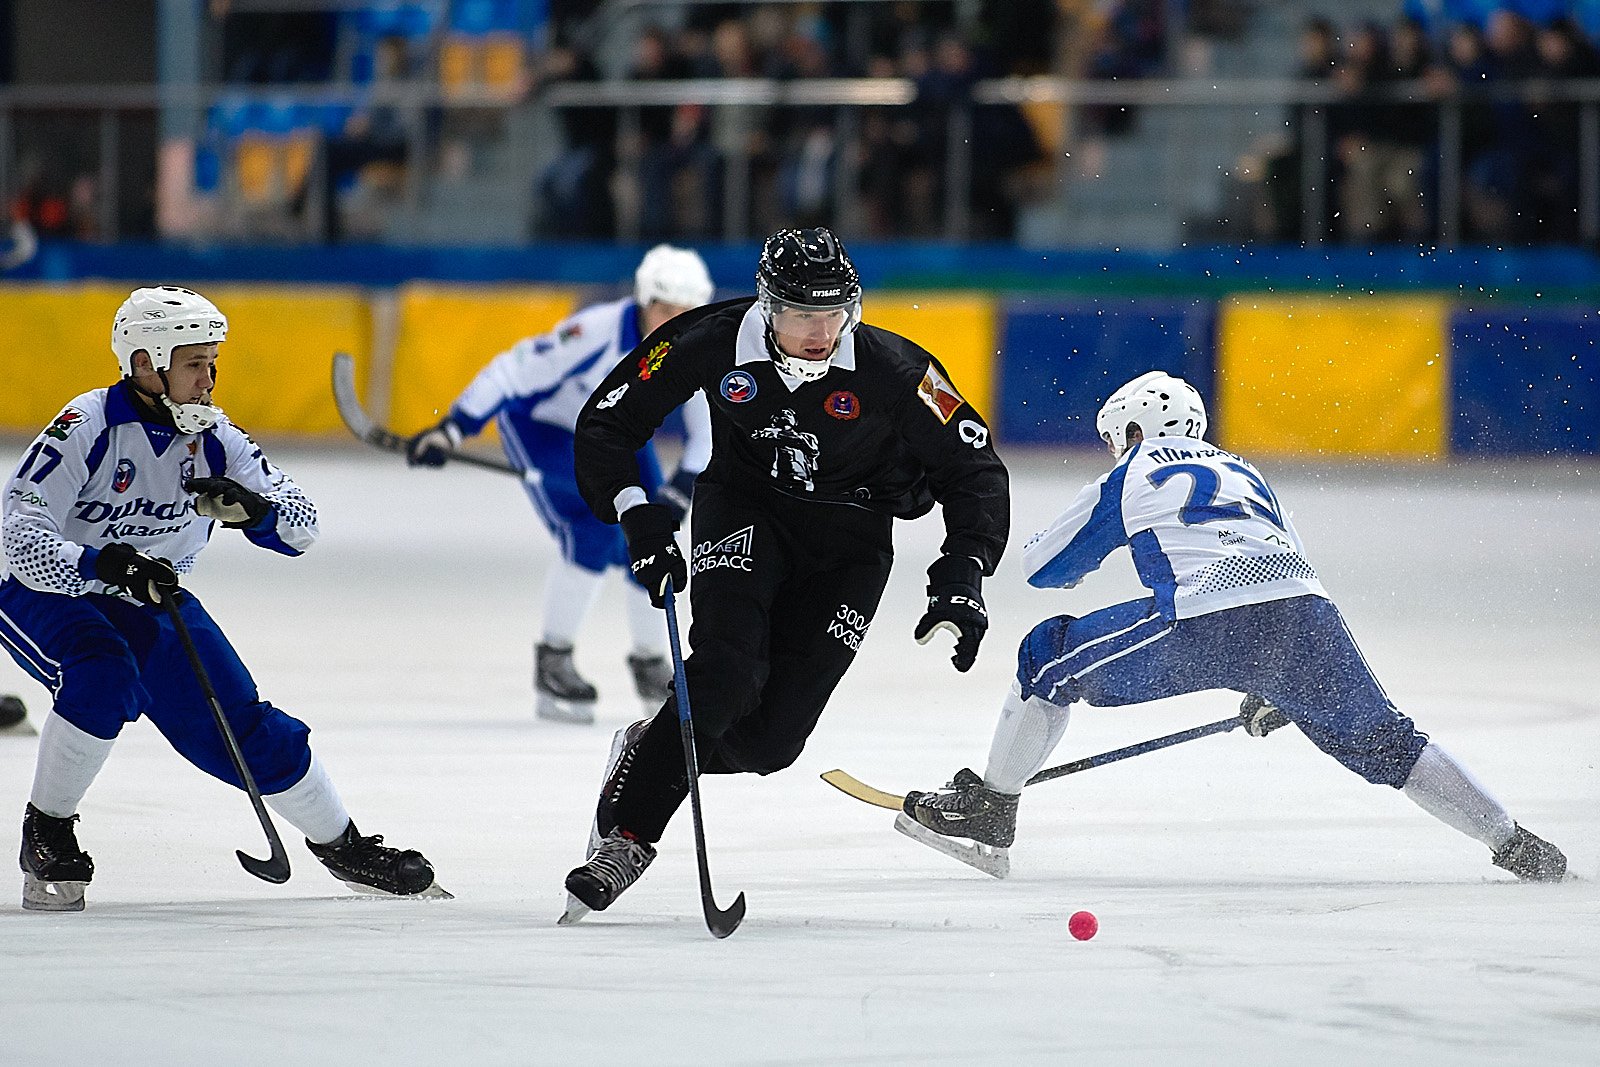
[(1159, 404), (157, 320)]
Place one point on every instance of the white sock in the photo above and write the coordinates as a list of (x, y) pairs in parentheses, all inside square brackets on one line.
[(1028, 731), (647, 624), (569, 593), (1444, 789), (68, 761), (312, 805)]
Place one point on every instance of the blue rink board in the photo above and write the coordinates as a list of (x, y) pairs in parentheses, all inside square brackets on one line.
[(1064, 356), (1525, 381)]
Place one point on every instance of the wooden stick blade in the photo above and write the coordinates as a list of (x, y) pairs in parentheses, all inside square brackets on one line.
[(855, 787)]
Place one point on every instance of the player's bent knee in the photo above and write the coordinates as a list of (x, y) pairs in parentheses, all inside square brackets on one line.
[(276, 747), (99, 692)]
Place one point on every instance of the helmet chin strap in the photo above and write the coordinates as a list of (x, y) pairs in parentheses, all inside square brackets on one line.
[(188, 418), (807, 370)]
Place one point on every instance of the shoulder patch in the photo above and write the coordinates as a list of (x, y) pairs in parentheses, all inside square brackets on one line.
[(65, 423), (651, 361), (936, 391)]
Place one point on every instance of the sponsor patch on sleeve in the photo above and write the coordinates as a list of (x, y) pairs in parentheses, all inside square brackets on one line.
[(65, 423), (937, 392), (651, 361)]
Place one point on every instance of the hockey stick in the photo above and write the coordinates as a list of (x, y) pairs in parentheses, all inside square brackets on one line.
[(721, 923), (861, 791), (360, 423), (276, 867)]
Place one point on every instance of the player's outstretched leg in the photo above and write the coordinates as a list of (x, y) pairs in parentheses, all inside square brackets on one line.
[(367, 865), (614, 866), (1531, 858), (54, 868), (561, 693), (964, 808)]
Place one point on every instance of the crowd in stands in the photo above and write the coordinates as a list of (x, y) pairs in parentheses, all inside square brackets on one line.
[(1519, 174)]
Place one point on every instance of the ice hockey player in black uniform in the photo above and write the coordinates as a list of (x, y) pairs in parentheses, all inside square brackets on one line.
[(824, 431)]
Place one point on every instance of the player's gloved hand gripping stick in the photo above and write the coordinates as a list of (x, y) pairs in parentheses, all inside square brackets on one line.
[(955, 603), (658, 564)]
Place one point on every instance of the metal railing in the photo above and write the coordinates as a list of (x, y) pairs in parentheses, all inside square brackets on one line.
[(414, 102)]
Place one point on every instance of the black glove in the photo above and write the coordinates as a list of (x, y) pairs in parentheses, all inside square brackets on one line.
[(1261, 716), (677, 494), (228, 502), (955, 603), (433, 446), (649, 529), (146, 578)]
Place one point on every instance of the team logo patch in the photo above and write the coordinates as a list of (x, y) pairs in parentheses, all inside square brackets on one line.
[(937, 392), (842, 405), (738, 386), (65, 423), (652, 360), (569, 332), (733, 552), (122, 477)]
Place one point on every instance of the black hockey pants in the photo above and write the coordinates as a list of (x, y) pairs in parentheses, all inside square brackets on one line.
[(783, 592)]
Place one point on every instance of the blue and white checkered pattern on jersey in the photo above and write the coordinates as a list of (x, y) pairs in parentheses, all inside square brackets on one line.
[(1296, 652), (1206, 531)]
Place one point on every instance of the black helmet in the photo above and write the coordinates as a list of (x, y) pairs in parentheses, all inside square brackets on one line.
[(807, 271), (807, 268)]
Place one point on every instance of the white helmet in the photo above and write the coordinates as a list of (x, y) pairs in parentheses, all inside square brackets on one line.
[(160, 319), (672, 276), (1159, 404)]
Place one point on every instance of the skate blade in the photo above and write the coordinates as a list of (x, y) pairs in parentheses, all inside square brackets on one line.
[(557, 710), (576, 910), (433, 892), (995, 862), (39, 895)]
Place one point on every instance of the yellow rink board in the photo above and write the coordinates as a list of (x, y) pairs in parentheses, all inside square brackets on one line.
[(1360, 377), (448, 332), (272, 373), (958, 328)]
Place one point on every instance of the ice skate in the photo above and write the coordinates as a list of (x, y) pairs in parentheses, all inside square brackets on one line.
[(14, 718), (54, 868), (560, 693), (652, 680), (1260, 715), (618, 763), (965, 808), (367, 865), (615, 865), (1531, 858)]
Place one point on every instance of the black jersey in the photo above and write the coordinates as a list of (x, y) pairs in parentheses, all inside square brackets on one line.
[(884, 429)]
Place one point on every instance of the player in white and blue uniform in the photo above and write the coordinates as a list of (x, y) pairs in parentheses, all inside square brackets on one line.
[(533, 393), (111, 503), (1234, 604)]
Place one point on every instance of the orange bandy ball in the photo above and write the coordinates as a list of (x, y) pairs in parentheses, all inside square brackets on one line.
[(1083, 925)]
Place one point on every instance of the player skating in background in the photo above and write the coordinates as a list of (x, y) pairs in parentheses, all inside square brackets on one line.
[(125, 480), (825, 432), (1235, 605), (534, 391)]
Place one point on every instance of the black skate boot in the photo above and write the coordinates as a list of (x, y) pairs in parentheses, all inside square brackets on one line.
[(14, 717), (652, 680), (623, 746), (615, 865), (54, 868), (965, 808), (560, 692), (1531, 858), (367, 865)]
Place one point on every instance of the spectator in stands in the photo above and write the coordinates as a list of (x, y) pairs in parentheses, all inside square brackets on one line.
[(1380, 145), (573, 194), (1564, 54), (373, 144), (679, 169), (803, 135), (1318, 51), (1496, 194)]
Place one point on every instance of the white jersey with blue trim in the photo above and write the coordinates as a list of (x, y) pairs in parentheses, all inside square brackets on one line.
[(99, 474), (1206, 531), (548, 377)]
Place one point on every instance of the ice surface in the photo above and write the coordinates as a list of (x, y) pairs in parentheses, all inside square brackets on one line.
[(1257, 902)]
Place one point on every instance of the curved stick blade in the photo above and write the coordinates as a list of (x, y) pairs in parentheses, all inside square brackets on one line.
[(721, 923), (274, 869)]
